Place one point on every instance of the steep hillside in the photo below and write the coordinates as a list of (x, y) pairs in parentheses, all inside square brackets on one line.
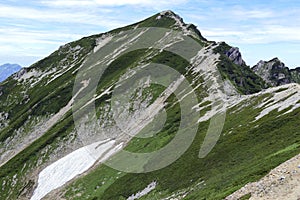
[(234, 68), (8, 69), (148, 111)]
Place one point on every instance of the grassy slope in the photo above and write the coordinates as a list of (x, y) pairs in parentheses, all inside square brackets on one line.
[(61, 130), (245, 152), (48, 99), (43, 99), (240, 152)]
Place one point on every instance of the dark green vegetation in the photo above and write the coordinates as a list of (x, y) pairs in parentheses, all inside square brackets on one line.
[(295, 73), (279, 69), (242, 77), (246, 197), (246, 150), (51, 97), (164, 22), (42, 100)]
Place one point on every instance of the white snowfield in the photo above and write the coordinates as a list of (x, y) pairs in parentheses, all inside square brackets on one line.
[(65, 169)]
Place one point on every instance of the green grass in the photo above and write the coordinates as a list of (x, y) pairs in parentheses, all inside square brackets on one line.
[(285, 150), (50, 98), (43, 100), (164, 22), (249, 152), (246, 197), (281, 90), (243, 156), (31, 154)]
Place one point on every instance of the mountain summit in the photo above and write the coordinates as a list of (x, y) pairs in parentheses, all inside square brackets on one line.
[(152, 110), (276, 73)]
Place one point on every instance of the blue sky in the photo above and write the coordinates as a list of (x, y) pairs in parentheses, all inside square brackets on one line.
[(31, 30)]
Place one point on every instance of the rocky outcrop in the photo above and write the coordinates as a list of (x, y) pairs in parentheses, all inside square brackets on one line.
[(275, 73), (296, 74), (188, 29), (235, 56)]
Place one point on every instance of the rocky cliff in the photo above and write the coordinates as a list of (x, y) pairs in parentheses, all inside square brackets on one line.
[(275, 73)]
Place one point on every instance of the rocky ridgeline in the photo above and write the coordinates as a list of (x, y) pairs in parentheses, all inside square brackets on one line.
[(42, 148), (275, 73), (235, 56)]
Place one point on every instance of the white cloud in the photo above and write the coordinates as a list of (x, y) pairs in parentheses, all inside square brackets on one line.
[(110, 3), (219, 32), (253, 35), (19, 42), (271, 33), (242, 14), (68, 3), (41, 26), (59, 16), (253, 25)]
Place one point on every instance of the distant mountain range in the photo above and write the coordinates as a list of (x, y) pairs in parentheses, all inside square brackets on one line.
[(8, 69)]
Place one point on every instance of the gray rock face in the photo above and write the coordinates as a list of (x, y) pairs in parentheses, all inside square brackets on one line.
[(296, 74), (235, 56), (20, 73), (276, 73)]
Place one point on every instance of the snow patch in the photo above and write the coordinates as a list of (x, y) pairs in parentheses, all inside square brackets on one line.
[(144, 192), (72, 165)]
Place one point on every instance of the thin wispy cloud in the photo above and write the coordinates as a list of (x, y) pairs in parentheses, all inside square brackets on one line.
[(37, 28), (260, 35), (244, 14), (57, 16), (110, 3)]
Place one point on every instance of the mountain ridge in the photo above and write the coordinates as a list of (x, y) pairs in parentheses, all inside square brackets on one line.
[(38, 130), (276, 73)]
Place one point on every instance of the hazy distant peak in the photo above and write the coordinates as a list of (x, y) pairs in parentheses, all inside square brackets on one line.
[(8, 69)]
